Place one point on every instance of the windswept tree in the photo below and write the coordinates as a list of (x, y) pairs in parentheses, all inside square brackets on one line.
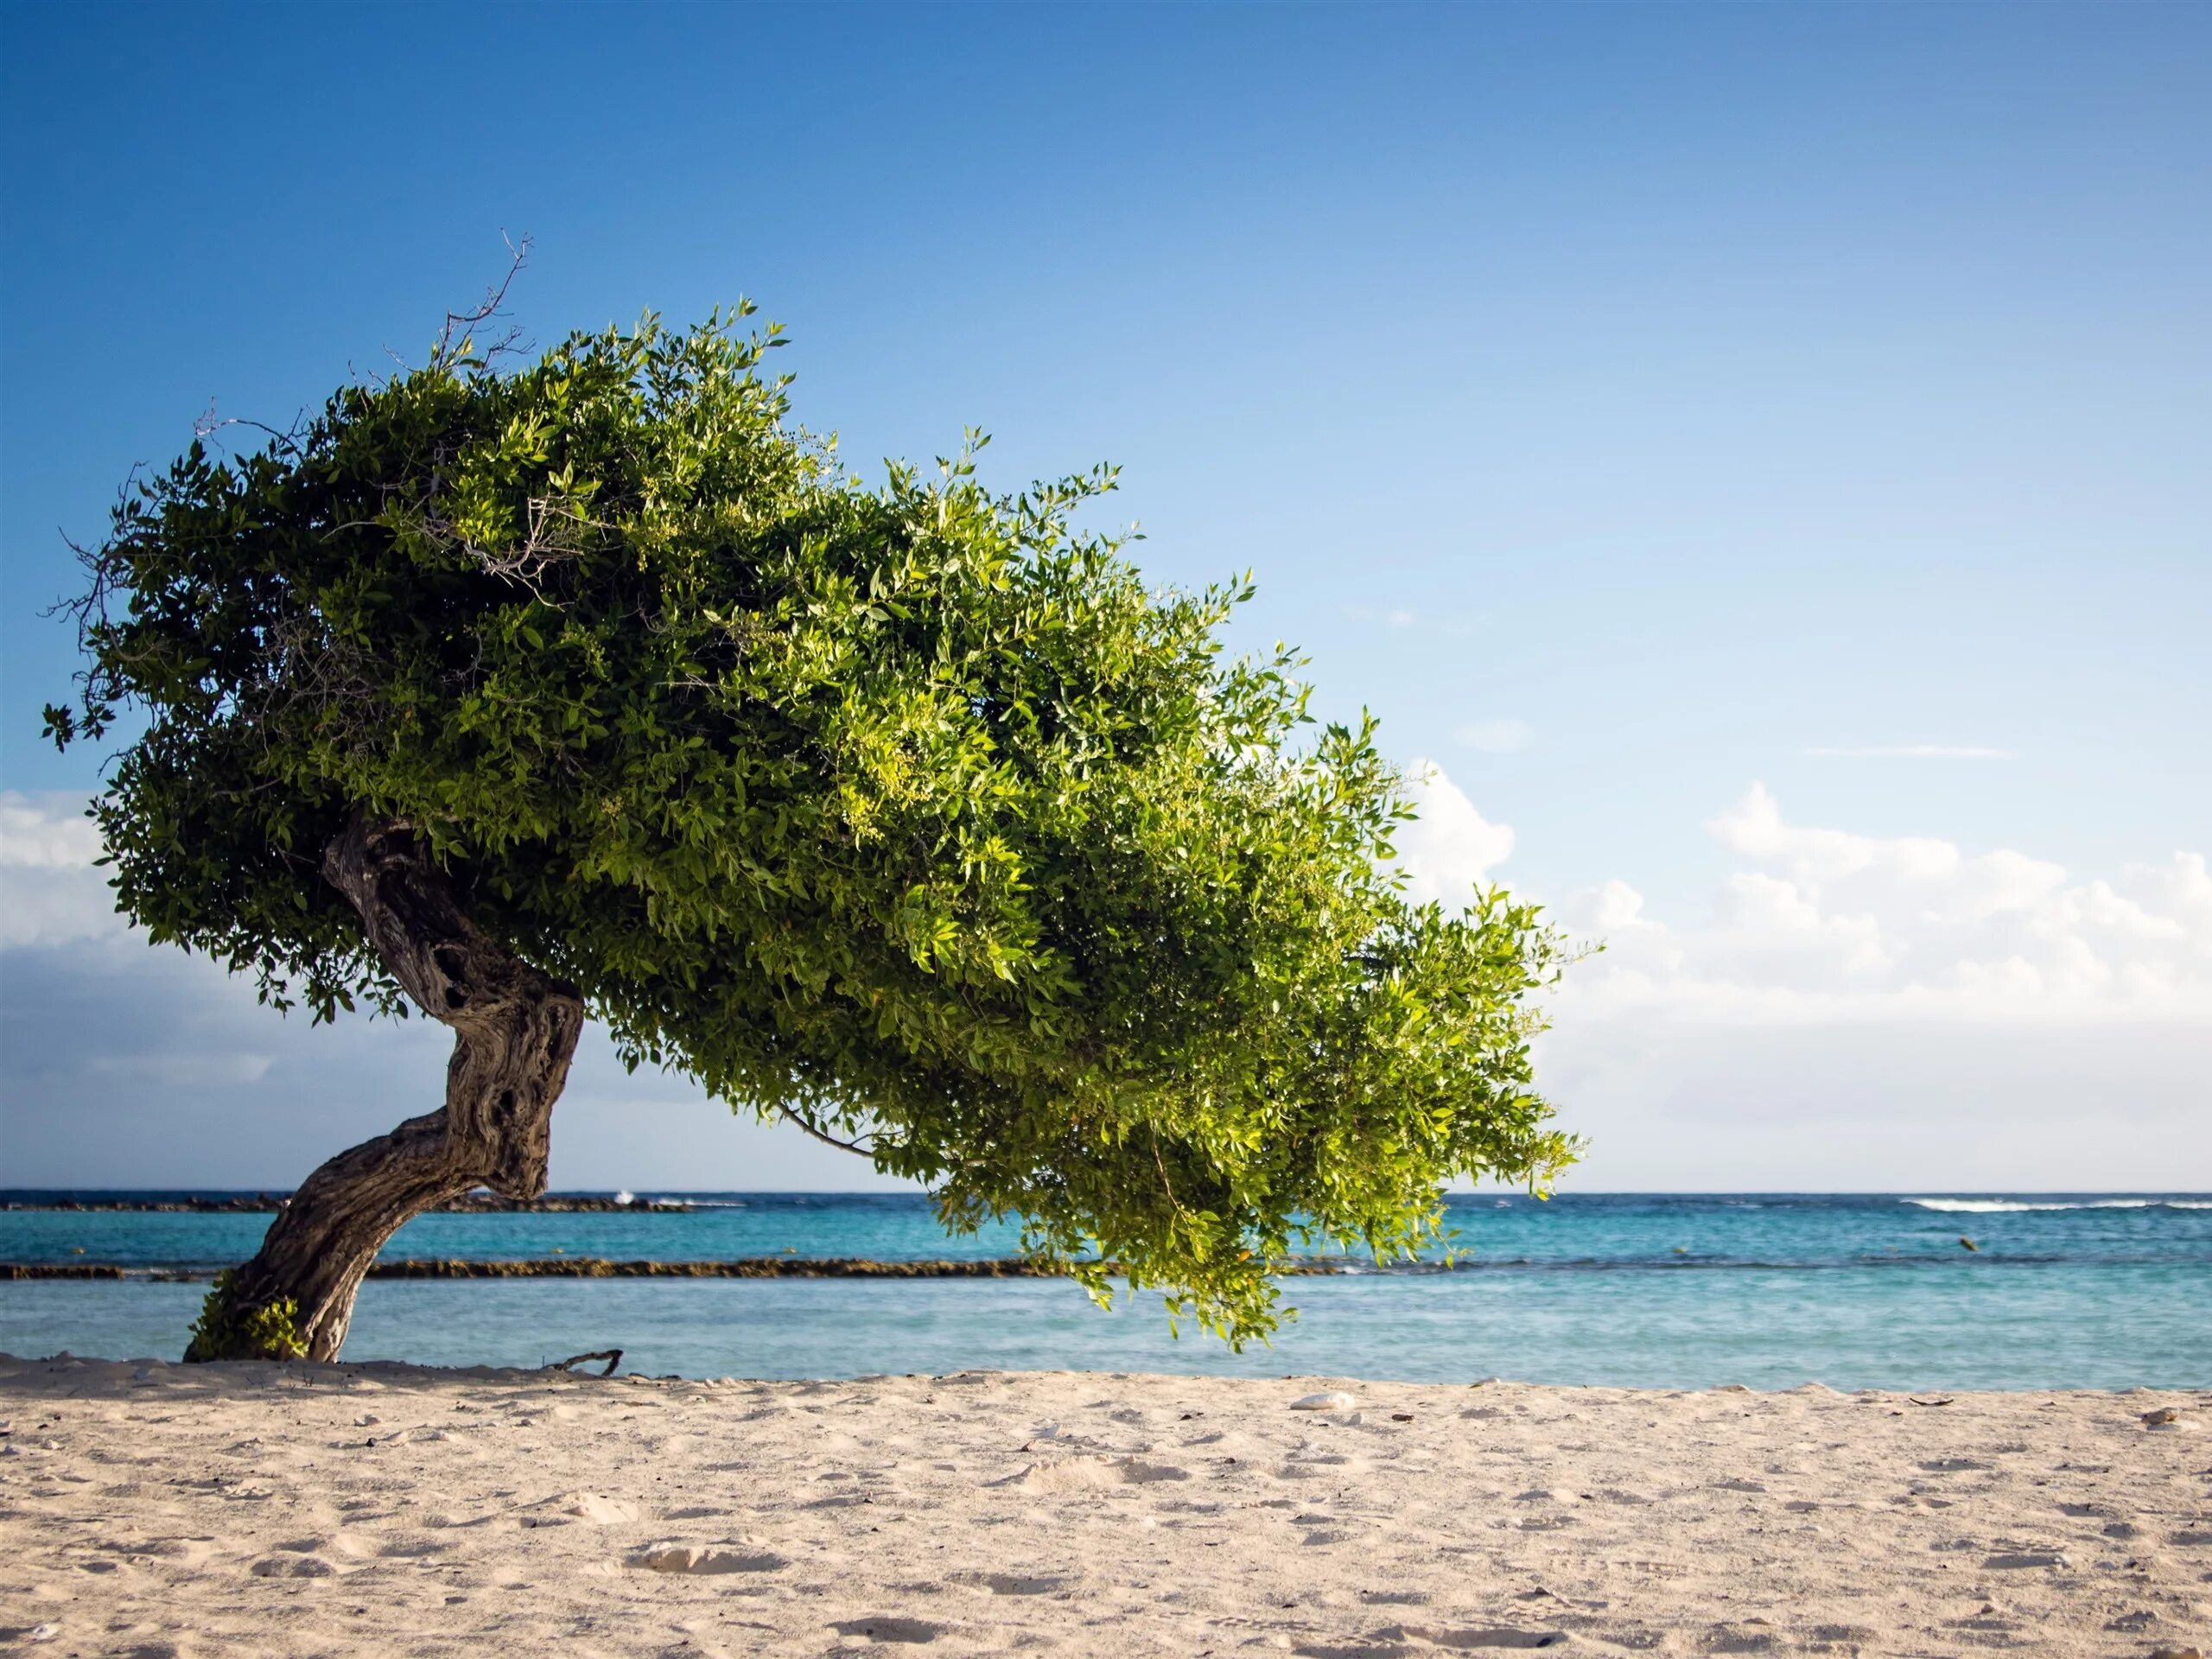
[(594, 688)]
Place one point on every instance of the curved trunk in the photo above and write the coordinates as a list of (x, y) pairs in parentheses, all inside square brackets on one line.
[(515, 1030)]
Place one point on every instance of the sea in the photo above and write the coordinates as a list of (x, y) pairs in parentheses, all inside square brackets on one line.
[(1770, 1290)]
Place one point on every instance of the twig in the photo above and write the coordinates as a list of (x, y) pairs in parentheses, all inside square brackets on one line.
[(207, 425), (1160, 1163), (448, 348)]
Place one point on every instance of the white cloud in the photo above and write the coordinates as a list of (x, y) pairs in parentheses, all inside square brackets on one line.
[(1450, 847), (1425, 618), (124, 1065), (1495, 736), (1826, 926), (185, 1068), (50, 832), (51, 892), (1853, 1011), (1915, 752)]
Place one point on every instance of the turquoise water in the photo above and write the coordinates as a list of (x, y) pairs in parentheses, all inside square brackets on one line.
[(2082, 1291)]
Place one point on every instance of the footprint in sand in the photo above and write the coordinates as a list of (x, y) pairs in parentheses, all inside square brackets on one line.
[(707, 1558), (1467, 1641), (599, 1510), (409, 1547), (1092, 1474), (293, 1567), (886, 1627), (1021, 1584), (2019, 1560), (1319, 1466), (318, 1543), (170, 1552), (1233, 1443)]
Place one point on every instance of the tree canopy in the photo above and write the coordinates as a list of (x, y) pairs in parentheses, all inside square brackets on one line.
[(907, 810)]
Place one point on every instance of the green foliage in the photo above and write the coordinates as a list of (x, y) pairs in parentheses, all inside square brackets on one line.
[(226, 1329), (908, 811)]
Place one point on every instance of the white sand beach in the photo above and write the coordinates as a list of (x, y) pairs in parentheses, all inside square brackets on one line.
[(249, 1509)]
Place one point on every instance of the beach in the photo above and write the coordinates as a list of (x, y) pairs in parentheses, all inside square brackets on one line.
[(150, 1509)]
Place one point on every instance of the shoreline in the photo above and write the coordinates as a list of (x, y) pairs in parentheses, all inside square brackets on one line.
[(368, 1508)]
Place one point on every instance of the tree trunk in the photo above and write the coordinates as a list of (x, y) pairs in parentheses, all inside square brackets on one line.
[(515, 1030)]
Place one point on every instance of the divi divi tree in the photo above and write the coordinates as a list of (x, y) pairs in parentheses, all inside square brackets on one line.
[(520, 695)]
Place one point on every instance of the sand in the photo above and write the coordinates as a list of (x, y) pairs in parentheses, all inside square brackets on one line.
[(155, 1509)]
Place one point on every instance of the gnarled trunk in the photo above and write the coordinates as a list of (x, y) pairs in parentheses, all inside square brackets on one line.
[(515, 1030)]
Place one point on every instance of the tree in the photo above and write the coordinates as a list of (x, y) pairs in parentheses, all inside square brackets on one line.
[(594, 687)]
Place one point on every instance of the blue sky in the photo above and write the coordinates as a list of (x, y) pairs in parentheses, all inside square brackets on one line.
[(1637, 407)]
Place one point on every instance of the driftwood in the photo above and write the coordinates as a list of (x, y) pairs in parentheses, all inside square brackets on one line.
[(612, 1355)]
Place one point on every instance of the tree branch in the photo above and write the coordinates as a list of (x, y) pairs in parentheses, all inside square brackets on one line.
[(823, 1135), (448, 348)]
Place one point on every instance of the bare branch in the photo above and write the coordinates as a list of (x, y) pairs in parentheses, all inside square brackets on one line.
[(457, 335), (206, 426), (558, 534)]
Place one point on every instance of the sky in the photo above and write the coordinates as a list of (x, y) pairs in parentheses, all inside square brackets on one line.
[(1756, 461)]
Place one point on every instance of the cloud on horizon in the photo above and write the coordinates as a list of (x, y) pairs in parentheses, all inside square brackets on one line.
[(50, 892), (1846, 1010), (1914, 752), (1822, 924), (1892, 1013)]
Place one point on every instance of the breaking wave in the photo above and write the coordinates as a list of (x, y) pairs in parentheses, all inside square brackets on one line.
[(1992, 1206)]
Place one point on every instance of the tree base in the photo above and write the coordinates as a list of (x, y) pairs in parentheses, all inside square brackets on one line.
[(233, 1327), (515, 1030)]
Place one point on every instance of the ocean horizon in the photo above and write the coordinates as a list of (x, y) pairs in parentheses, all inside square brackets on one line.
[(1926, 1290)]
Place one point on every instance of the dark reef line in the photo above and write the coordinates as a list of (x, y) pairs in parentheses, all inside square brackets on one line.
[(592, 1267)]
